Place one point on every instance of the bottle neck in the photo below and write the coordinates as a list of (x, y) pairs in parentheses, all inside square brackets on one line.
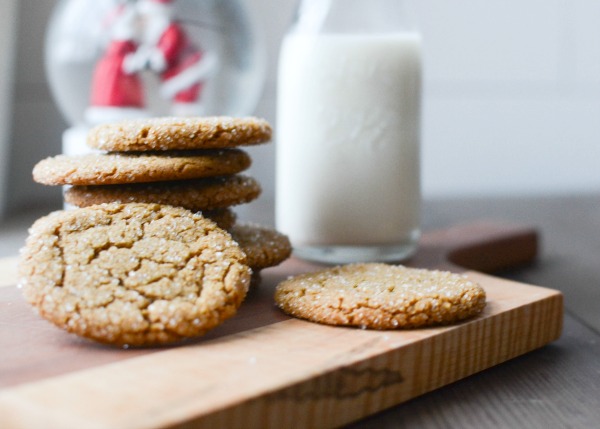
[(354, 16)]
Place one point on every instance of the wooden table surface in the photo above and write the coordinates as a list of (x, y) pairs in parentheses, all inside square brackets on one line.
[(557, 386), (552, 387)]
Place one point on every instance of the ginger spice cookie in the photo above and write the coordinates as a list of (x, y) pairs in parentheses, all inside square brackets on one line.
[(224, 218), (133, 274), (171, 133), (121, 168), (380, 296), (194, 195), (264, 247)]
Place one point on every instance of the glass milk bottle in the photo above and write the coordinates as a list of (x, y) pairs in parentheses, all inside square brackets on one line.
[(348, 122)]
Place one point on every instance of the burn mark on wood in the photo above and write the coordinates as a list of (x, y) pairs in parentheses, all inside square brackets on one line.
[(343, 384)]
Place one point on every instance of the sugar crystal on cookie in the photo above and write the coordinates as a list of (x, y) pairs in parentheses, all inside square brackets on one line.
[(139, 290), (380, 296)]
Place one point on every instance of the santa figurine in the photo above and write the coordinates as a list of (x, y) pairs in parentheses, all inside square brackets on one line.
[(116, 91), (183, 67)]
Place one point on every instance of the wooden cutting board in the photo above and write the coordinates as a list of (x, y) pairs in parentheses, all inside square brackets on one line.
[(264, 369)]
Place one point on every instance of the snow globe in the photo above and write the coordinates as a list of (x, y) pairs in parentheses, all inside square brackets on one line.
[(109, 60)]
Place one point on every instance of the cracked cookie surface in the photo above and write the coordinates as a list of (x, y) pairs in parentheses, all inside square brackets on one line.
[(380, 296), (133, 274), (194, 195), (173, 133), (121, 168)]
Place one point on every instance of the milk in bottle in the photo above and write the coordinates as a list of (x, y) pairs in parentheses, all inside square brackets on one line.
[(348, 176)]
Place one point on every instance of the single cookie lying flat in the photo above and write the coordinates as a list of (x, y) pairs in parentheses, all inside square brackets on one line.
[(134, 274), (194, 195), (264, 247), (171, 133), (380, 296), (121, 168)]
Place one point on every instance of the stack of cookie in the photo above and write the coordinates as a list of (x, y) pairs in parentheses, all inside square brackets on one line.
[(193, 163)]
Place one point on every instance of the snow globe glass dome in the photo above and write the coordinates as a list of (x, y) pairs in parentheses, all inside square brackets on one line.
[(108, 60)]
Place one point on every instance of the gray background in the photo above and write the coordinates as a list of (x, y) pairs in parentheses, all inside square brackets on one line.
[(511, 98)]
